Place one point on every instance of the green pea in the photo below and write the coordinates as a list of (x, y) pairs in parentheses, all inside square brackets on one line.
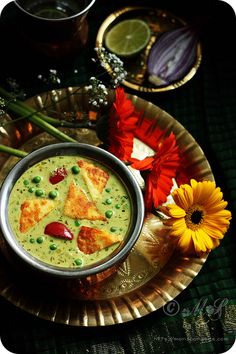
[(53, 194), (53, 247), (40, 239), (109, 213), (31, 189), (108, 190), (124, 199), (32, 240), (117, 206), (113, 229), (36, 179), (78, 262), (109, 201), (77, 223), (39, 192), (75, 170), (26, 182)]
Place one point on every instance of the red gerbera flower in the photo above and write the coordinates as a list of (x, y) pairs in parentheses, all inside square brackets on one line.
[(184, 173), (149, 132), (163, 167), (122, 124)]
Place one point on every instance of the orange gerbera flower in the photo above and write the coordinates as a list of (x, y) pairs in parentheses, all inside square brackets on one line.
[(198, 220), (162, 168), (122, 124)]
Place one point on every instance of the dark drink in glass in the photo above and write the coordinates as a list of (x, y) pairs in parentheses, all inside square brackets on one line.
[(53, 9), (54, 28)]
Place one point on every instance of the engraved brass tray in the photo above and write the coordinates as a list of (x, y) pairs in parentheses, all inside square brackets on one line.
[(159, 21), (153, 273)]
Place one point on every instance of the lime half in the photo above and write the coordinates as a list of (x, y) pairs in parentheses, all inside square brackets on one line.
[(128, 37)]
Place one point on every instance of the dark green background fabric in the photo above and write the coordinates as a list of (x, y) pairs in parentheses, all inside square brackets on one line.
[(206, 106)]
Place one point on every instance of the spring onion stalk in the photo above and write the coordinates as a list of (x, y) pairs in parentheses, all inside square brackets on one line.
[(13, 105), (36, 118), (11, 151)]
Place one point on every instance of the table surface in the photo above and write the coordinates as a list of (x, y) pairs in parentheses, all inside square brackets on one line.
[(206, 107)]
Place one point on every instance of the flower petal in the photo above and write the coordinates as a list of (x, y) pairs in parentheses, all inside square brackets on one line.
[(178, 227), (221, 218), (197, 191), (216, 243), (215, 225), (198, 239), (180, 199), (207, 240), (213, 232), (196, 243), (185, 242), (175, 211), (217, 207), (215, 197), (142, 164), (188, 193)]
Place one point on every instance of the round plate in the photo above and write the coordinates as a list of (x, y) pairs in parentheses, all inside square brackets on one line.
[(159, 21), (153, 273)]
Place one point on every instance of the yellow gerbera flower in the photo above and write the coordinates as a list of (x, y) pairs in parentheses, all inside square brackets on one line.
[(198, 220)]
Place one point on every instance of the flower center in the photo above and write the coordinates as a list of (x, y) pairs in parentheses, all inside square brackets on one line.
[(194, 217)]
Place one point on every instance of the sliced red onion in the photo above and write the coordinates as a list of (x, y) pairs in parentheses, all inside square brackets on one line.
[(172, 55)]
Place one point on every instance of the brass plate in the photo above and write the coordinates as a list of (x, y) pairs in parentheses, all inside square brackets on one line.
[(153, 273), (159, 21)]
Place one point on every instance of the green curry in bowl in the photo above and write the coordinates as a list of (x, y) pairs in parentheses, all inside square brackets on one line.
[(69, 211)]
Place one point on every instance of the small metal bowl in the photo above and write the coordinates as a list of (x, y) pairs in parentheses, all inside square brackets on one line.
[(101, 268)]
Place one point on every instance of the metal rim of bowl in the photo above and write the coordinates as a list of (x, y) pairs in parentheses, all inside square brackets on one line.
[(88, 151)]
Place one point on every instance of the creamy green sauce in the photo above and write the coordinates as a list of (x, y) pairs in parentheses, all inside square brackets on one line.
[(54, 250)]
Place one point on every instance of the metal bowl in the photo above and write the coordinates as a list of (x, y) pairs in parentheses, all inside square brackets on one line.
[(102, 267)]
